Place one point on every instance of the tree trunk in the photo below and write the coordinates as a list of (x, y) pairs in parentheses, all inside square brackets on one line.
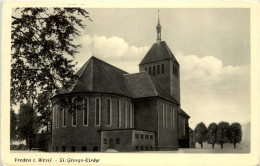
[(221, 145), (213, 146), (30, 142), (234, 145)]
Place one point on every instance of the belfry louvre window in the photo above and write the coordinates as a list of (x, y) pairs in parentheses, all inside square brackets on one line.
[(154, 72), (162, 68), (173, 70), (158, 69), (177, 71), (109, 112), (85, 111), (97, 112)]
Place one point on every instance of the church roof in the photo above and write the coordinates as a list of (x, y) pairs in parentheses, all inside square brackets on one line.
[(142, 85), (182, 112), (98, 76), (158, 52)]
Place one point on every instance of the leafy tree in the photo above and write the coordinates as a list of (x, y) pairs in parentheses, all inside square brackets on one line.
[(43, 49), (212, 134), (235, 133), (222, 133), (26, 123), (200, 133), (43, 108), (13, 126)]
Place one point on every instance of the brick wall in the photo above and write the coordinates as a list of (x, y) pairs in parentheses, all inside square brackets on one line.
[(88, 136)]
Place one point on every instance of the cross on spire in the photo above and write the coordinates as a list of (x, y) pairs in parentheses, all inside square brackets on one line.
[(158, 28)]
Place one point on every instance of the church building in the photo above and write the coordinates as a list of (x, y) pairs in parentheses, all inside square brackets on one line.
[(108, 108)]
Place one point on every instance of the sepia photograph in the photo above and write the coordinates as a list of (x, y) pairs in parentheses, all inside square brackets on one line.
[(128, 80)]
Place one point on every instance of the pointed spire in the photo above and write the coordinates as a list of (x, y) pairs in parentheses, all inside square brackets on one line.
[(158, 28)]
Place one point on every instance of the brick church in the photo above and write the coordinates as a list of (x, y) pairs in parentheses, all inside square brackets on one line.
[(108, 108)]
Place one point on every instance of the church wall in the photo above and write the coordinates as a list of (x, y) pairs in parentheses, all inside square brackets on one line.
[(175, 81), (167, 129), (183, 125), (146, 114), (149, 116), (88, 136)]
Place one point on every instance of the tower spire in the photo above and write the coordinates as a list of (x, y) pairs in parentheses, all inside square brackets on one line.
[(158, 28)]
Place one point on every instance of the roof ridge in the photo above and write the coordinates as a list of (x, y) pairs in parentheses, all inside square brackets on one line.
[(156, 93), (83, 69), (93, 57), (112, 79)]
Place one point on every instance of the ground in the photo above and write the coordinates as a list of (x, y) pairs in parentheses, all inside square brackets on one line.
[(228, 148)]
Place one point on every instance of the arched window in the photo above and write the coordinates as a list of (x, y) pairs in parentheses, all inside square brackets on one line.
[(109, 112), (57, 116), (73, 148), (173, 70), (173, 115), (97, 111), (74, 112), (85, 111), (57, 149), (158, 69), (166, 117), (64, 116), (154, 72), (131, 115), (150, 70), (126, 112), (119, 113)]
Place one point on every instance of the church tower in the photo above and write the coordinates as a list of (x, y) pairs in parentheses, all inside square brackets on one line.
[(162, 66)]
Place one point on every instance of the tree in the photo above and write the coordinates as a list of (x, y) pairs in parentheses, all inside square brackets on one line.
[(212, 134), (43, 108), (222, 133), (43, 49), (26, 123), (235, 133), (200, 133), (13, 126)]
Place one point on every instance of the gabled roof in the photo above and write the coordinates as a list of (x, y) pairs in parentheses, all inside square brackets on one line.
[(99, 76), (158, 52), (141, 85), (181, 112)]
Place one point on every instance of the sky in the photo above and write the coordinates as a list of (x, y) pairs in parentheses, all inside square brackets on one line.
[(212, 47)]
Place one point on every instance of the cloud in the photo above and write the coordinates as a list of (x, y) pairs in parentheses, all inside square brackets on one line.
[(210, 91), (112, 50)]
